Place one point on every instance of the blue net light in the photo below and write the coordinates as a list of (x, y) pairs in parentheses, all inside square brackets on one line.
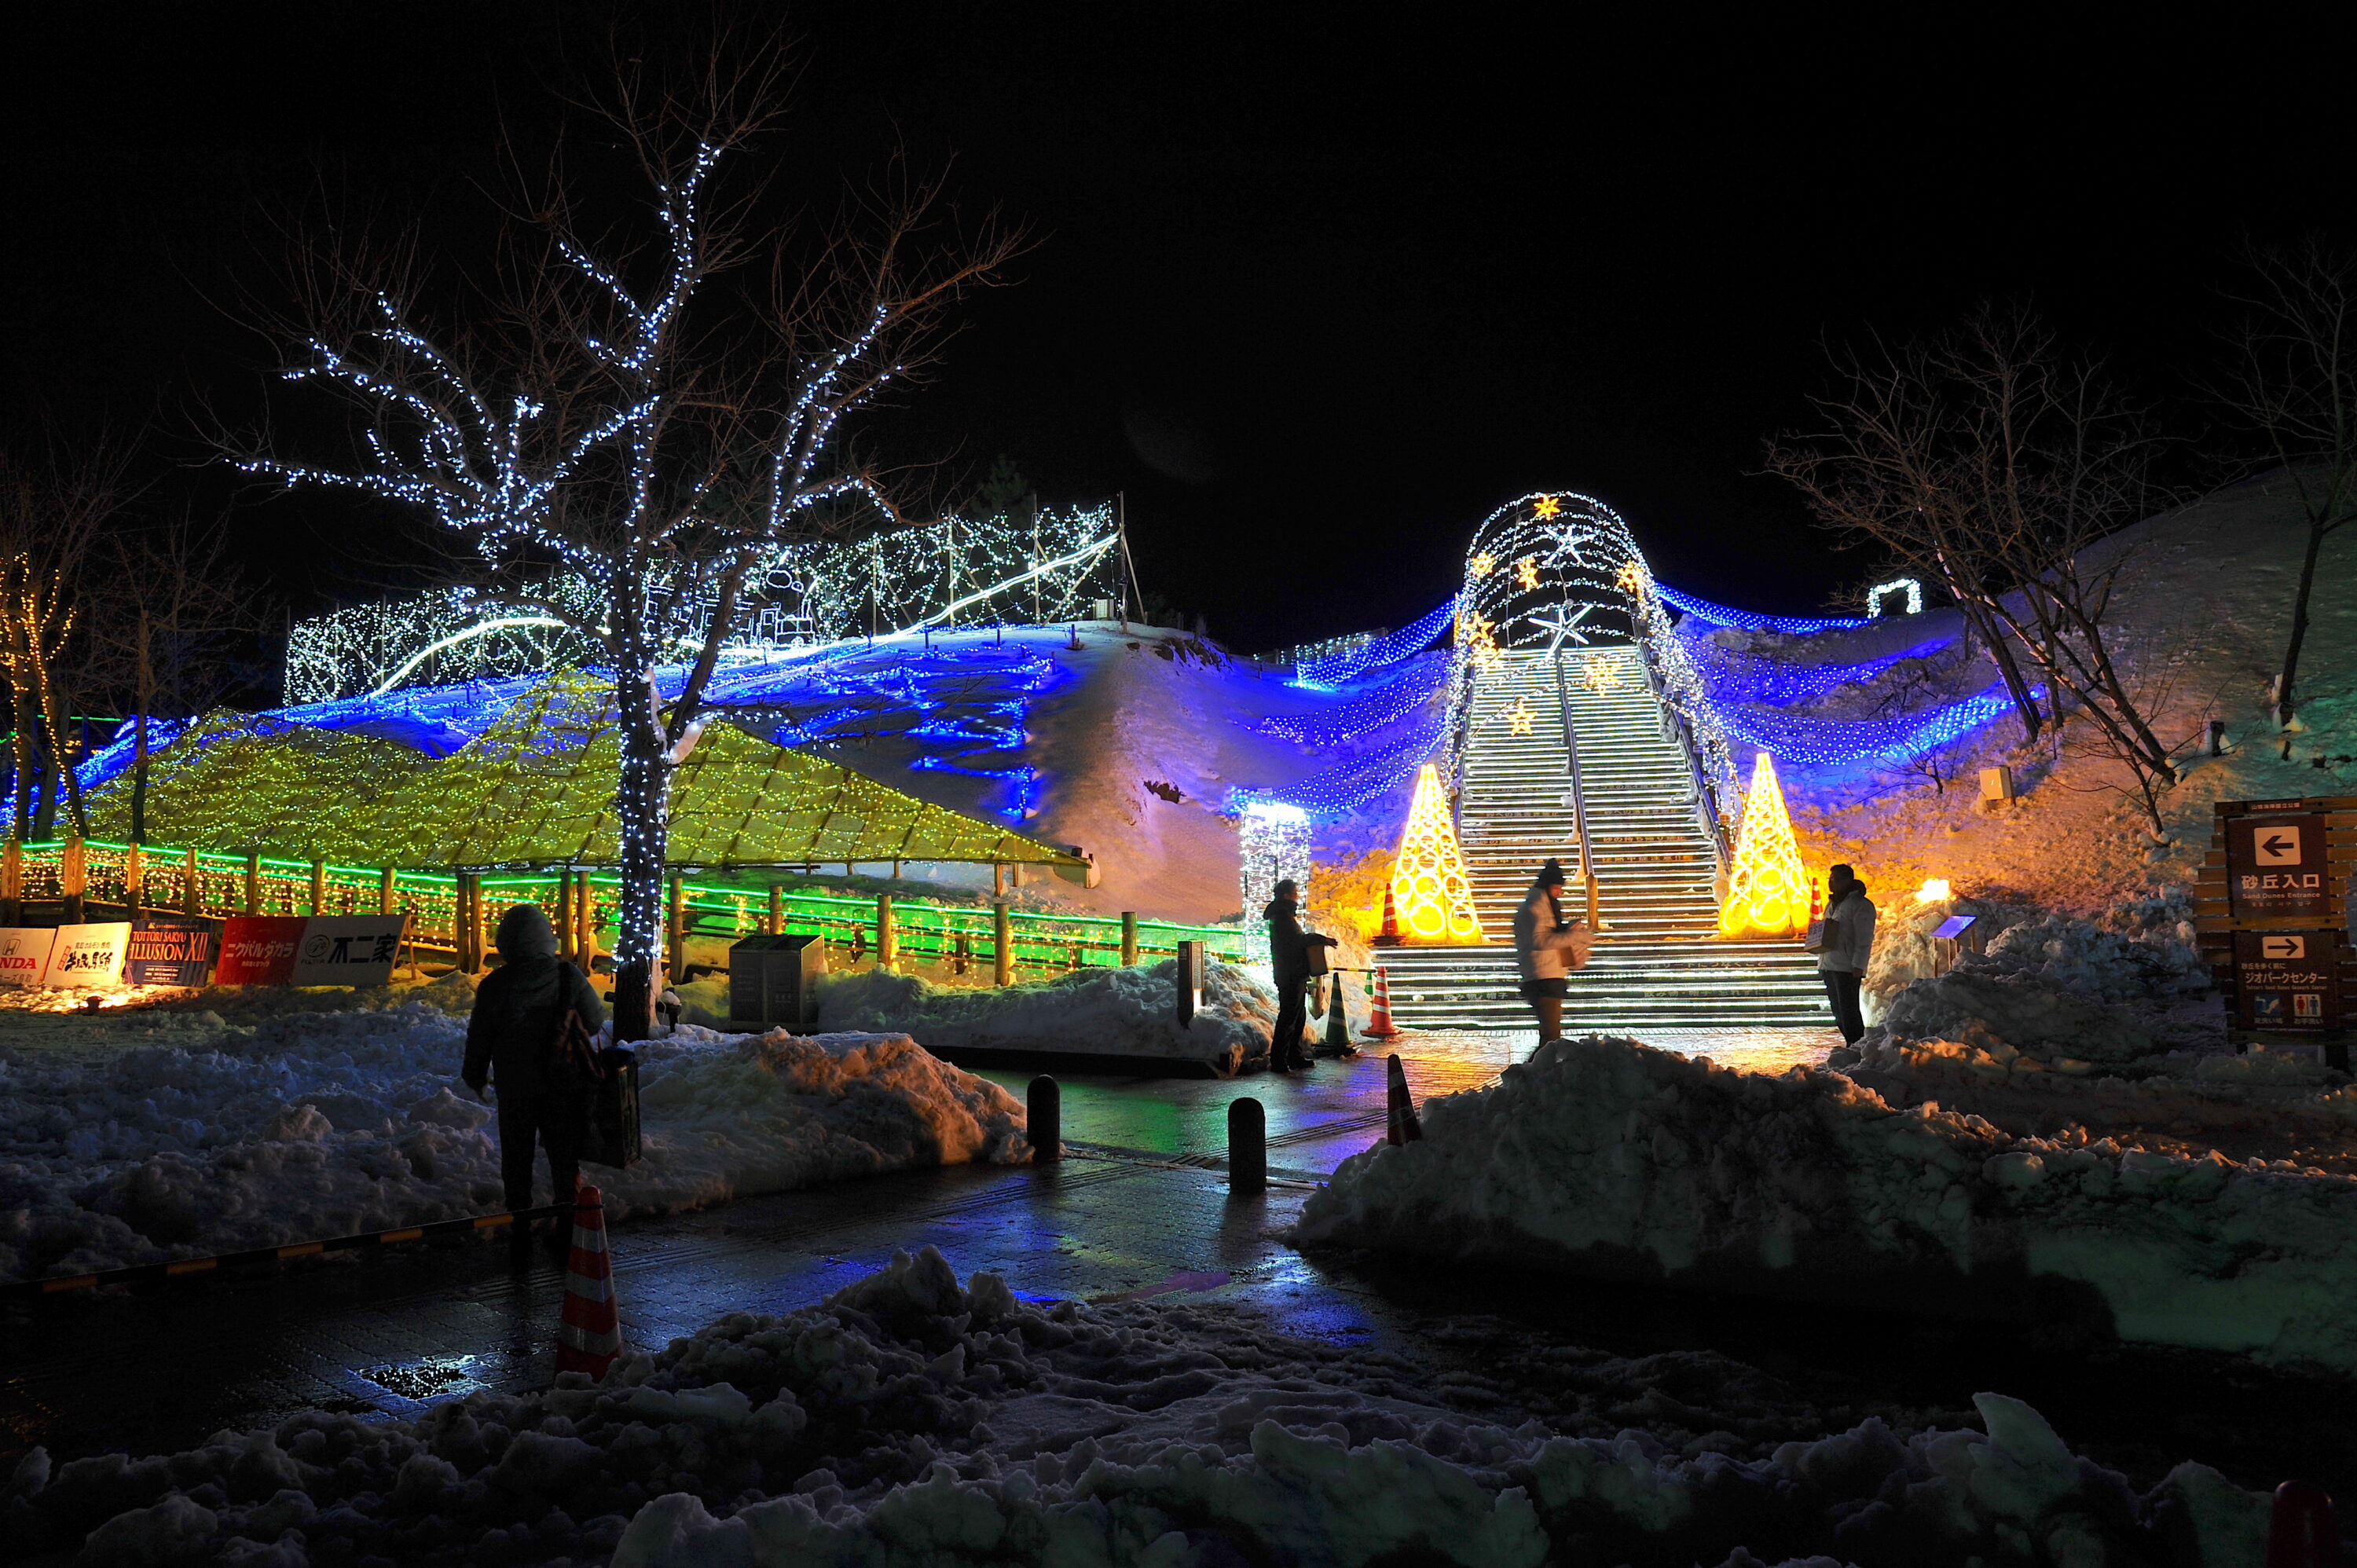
[(1748, 620), (1380, 653)]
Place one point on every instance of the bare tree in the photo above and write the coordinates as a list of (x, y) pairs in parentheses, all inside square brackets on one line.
[(1876, 474), (58, 498), (167, 621), (2295, 384), (654, 404), (2001, 465)]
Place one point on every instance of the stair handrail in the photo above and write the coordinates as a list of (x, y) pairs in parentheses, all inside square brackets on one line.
[(1578, 790), (1709, 811)]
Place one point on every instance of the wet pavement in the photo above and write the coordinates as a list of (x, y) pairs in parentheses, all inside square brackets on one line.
[(1139, 1207), (1142, 1201)]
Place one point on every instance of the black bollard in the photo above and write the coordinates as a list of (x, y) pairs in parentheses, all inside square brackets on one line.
[(1043, 1111), (1247, 1145)]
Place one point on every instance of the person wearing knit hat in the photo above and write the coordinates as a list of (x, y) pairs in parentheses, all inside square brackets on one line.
[(1547, 947)]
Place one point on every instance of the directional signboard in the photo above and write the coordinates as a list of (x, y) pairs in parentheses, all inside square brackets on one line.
[(2276, 867), (2288, 980)]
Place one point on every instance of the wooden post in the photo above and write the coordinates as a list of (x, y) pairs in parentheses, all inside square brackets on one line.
[(1129, 939), (487, 925), (887, 943), (253, 882), (318, 887), (776, 925), (133, 878), (70, 881), (1002, 942), (384, 898), (459, 923), (997, 880), (564, 921), (12, 883), (192, 891), (585, 941), (675, 932)]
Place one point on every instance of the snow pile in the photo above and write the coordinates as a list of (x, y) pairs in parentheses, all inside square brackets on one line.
[(910, 1421), (1605, 1156), (203, 1137), (1110, 1012), (2049, 983)]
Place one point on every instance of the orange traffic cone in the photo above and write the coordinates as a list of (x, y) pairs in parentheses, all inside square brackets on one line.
[(590, 1337), (1389, 936), (1405, 1128), (1380, 1025), (2301, 1528)]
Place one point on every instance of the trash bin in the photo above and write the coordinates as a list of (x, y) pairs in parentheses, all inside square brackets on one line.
[(774, 980)]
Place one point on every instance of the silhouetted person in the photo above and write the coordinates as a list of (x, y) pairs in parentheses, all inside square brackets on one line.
[(1288, 958), (511, 1039), (1846, 949), (1547, 947)]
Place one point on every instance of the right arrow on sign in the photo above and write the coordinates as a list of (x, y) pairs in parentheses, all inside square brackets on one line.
[(2283, 946)]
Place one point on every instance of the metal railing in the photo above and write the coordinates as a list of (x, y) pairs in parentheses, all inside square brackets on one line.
[(1706, 796), (1578, 792)]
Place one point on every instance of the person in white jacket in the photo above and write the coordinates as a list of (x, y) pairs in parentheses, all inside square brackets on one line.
[(1846, 949), (1547, 947)]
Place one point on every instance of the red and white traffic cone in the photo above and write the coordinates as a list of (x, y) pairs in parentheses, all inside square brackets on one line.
[(2301, 1532), (1403, 1128), (590, 1337), (1389, 937), (1378, 1023)]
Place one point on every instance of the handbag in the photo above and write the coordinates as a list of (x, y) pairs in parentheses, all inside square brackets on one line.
[(573, 1049)]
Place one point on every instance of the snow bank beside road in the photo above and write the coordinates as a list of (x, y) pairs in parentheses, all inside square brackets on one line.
[(1110, 1012), (1604, 1155), (203, 1137), (909, 1422)]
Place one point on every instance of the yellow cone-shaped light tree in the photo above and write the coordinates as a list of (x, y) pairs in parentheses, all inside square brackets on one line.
[(1767, 890), (1428, 882)]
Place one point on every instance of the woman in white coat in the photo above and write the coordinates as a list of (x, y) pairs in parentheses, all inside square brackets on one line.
[(1547, 947)]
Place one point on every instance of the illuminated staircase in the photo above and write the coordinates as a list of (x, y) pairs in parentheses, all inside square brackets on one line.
[(1658, 962)]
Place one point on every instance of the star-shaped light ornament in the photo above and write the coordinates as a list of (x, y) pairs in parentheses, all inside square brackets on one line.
[(1482, 565), (1631, 580), (1546, 506), (1520, 718), (1601, 675), (1526, 572), (1564, 621)]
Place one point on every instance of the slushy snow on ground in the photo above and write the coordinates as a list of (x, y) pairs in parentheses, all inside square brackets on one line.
[(909, 1422), (1606, 1157), (139, 1137)]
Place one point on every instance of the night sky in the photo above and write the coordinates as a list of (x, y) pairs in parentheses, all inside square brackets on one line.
[(1317, 293)]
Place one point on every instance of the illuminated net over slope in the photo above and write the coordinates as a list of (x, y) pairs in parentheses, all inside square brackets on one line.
[(1428, 882), (1768, 889), (536, 787)]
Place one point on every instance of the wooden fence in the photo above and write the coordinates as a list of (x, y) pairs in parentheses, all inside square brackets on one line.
[(454, 912)]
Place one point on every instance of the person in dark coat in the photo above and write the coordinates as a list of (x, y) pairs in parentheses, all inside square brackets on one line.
[(1288, 957), (517, 1010)]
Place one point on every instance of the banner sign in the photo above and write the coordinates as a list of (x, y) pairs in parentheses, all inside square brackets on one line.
[(2275, 865), (350, 949), (2288, 980), (170, 951), (25, 953), (88, 955), (259, 949)]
